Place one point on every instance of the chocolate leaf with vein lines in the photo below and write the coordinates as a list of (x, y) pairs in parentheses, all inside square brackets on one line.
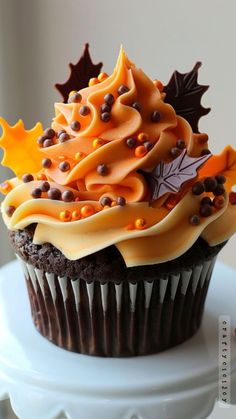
[(80, 74), (184, 93), (170, 177)]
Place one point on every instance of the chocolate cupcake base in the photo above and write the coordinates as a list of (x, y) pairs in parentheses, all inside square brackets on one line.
[(117, 319)]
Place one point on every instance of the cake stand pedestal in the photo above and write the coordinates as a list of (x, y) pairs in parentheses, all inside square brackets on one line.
[(43, 381)]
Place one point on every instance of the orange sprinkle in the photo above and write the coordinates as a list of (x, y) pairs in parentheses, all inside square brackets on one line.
[(106, 207), (5, 187), (79, 156), (97, 142), (72, 92), (171, 202), (102, 77), (158, 84), (41, 177), (76, 215), (93, 81), (130, 227), (65, 215), (142, 137), (113, 204), (140, 151), (140, 223), (87, 210)]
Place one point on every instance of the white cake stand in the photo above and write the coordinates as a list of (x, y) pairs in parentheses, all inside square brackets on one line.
[(46, 382)]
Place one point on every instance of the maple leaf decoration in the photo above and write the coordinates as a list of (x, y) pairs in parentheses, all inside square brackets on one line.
[(170, 177), (80, 74), (184, 93), (21, 151)]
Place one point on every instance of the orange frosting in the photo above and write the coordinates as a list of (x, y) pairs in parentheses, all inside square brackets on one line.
[(84, 226)]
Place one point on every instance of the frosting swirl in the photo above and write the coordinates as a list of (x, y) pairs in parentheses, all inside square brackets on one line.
[(100, 165)]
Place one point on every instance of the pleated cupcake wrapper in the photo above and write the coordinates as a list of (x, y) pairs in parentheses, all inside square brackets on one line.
[(125, 319)]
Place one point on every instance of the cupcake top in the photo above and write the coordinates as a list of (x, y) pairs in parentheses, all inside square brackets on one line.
[(123, 163)]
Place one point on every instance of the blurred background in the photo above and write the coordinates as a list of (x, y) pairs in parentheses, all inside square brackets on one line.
[(38, 39)]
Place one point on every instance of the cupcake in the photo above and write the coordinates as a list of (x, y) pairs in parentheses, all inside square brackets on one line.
[(118, 210)]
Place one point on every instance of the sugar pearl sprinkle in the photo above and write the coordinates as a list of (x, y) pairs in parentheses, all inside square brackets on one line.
[(208, 205), (97, 142), (75, 125), (54, 194), (64, 166), (74, 97), (65, 216), (87, 211), (10, 210), (102, 169), (140, 223), (27, 178), (68, 196), (84, 110)]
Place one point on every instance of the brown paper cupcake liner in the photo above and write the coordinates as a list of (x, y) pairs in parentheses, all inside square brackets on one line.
[(125, 319)]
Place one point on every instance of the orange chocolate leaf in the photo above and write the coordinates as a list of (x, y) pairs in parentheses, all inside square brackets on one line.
[(223, 163), (21, 152)]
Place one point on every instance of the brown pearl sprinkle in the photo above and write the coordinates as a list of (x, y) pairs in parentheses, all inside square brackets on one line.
[(206, 201), (68, 196), (36, 193), (27, 178), (175, 152), (131, 142), (63, 137), (49, 133), (137, 106), (105, 117), (122, 89), (47, 143), (64, 166), (84, 110), (45, 186), (54, 193), (75, 98), (46, 163), (109, 98), (219, 202), (194, 220), (102, 169), (155, 116), (62, 131), (180, 144), (219, 190), (206, 210), (198, 188), (10, 210), (105, 201), (148, 145), (41, 140), (105, 108), (120, 200), (75, 125), (210, 184), (221, 179)]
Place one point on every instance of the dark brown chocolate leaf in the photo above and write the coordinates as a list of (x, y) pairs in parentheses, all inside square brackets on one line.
[(170, 177), (80, 74), (184, 93)]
